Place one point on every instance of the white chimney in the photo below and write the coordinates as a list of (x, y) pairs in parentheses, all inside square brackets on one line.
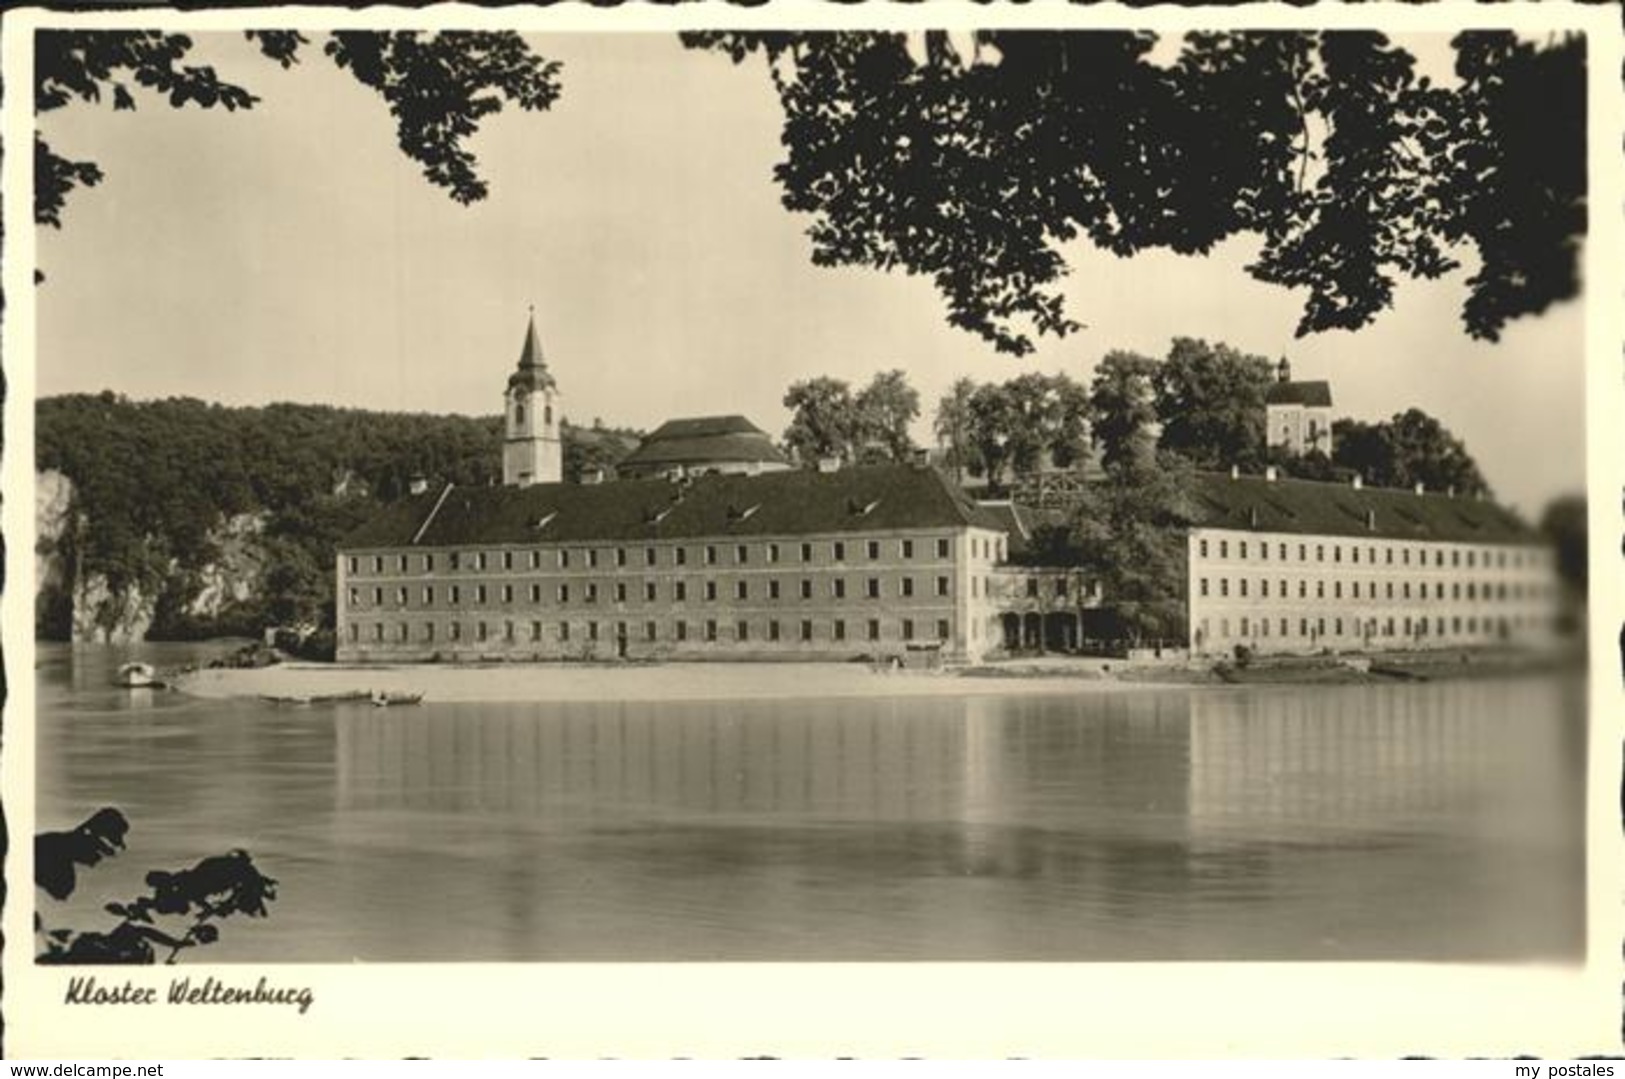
[(1358, 481), (1270, 474)]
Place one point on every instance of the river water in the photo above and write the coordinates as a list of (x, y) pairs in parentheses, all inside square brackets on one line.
[(1438, 821)]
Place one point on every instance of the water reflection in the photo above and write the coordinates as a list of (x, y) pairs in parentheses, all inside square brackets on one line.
[(1439, 821)]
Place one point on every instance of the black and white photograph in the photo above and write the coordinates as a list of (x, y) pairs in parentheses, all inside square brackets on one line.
[(812, 531)]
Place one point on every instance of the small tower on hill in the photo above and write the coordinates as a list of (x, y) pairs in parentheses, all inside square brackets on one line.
[(532, 451)]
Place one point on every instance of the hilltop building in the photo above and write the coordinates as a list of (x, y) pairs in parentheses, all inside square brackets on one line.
[(1298, 413), (715, 548)]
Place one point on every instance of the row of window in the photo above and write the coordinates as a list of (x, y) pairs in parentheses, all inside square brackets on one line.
[(623, 592), (1473, 557), (620, 557), (710, 631), (1472, 590), (1368, 628)]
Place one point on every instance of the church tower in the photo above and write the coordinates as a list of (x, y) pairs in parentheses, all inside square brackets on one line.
[(531, 449)]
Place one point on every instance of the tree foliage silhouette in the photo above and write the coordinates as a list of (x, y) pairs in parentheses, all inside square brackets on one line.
[(180, 911), (975, 164), (437, 87)]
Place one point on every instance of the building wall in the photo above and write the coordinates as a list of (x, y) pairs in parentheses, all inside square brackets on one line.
[(787, 597), (1292, 425), (703, 468), (1277, 592)]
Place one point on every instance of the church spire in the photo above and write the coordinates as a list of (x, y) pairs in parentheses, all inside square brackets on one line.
[(533, 373)]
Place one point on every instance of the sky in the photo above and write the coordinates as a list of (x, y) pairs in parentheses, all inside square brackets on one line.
[(291, 253)]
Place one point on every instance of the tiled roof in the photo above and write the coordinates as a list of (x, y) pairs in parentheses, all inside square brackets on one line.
[(702, 439), (1253, 503), (776, 503), (1316, 394)]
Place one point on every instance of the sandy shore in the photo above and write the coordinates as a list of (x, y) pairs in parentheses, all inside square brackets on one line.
[(664, 682)]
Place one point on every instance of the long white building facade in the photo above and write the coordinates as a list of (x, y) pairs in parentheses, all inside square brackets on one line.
[(1283, 566)]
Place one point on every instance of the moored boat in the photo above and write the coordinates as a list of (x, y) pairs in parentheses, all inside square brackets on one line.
[(138, 676), (385, 699)]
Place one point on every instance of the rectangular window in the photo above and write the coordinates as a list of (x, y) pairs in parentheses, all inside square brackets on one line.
[(1354, 554), (874, 548), (772, 552), (806, 629), (649, 631), (773, 630), (536, 593), (564, 631), (837, 588), (806, 552), (874, 629), (942, 548), (377, 597), (507, 593), (710, 555), (1201, 548), (741, 590), (1224, 586), (428, 631), (839, 627), (353, 561), (1303, 552), (773, 589), (742, 631), (428, 563), (1337, 589), (872, 588), (1264, 551), (377, 631), (592, 593), (679, 556), (942, 586), (480, 631), (456, 631), (592, 559), (906, 548), (1203, 585), (428, 594), (681, 629), (648, 591), (535, 631), (1282, 552), (455, 559), (710, 590), (741, 554), (1243, 583), (620, 591), (400, 564), (1032, 587), (378, 563), (1224, 548), (507, 631), (479, 560), (942, 629), (1264, 588), (592, 631), (679, 590), (838, 551), (908, 629), (479, 593), (507, 560), (564, 593), (1337, 553), (648, 556), (806, 588), (1320, 589), (906, 585), (535, 559), (456, 594), (1244, 548), (400, 597), (711, 629), (620, 556), (355, 597)]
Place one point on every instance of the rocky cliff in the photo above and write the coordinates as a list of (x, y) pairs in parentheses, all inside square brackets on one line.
[(84, 605)]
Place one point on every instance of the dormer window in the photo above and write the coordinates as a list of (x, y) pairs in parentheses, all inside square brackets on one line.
[(519, 414)]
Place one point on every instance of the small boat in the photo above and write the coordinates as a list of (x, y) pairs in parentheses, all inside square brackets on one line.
[(138, 676), (383, 700)]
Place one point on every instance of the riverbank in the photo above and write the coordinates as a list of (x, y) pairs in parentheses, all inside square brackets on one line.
[(784, 681), (646, 682)]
